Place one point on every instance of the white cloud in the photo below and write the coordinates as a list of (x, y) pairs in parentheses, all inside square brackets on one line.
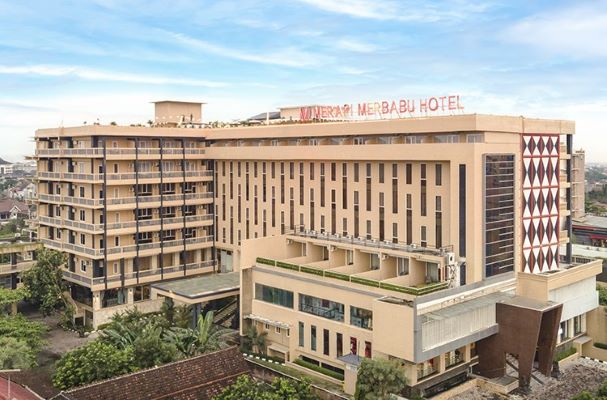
[(407, 11), (356, 46), (575, 31), (99, 75), (289, 57)]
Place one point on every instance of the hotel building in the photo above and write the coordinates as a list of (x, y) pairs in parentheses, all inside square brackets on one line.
[(421, 240)]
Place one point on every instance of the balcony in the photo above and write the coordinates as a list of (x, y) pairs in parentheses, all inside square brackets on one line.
[(112, 151), (98, 228), (327, 273), (58, 199), (21, 266), (70, 176), (90, 282)]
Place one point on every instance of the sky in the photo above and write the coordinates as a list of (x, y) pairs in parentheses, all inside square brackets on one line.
[(66, 62)]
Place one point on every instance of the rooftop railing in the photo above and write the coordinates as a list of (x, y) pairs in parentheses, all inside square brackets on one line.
[(382, 244), (415, 291)]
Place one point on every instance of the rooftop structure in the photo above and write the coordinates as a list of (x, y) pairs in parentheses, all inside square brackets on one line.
[(202, 377)]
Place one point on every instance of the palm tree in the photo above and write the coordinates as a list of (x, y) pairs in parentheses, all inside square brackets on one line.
[(205, 338), (256, 340)]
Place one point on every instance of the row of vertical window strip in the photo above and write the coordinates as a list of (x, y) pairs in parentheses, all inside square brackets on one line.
[(382, 235), (499, 214), (326, 342)]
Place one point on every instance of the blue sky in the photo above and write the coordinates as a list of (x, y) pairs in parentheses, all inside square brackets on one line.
[(66, 62)]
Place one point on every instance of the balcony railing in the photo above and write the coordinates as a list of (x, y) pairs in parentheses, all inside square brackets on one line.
[(425, 372), (121, 176), (98, 228), (142, 274), (415, 291), (382, 244), (156, 245), (97, 151), (12, 268), (57, 245), (56, 198), (158, 198)]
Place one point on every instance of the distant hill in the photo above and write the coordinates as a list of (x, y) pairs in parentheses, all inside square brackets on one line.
[(3, 161)]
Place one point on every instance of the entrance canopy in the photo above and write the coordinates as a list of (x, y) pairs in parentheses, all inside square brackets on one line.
[(201, 288)]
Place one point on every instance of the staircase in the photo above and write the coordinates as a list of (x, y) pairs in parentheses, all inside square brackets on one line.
[(227, 316), (512, 370)]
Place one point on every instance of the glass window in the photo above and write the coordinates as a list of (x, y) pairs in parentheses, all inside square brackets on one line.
[(402, 265), (361, 317), (141, 293), (301, 334), (321, 307), (325, 342), (313, 338), (274, 295), (339, 344)]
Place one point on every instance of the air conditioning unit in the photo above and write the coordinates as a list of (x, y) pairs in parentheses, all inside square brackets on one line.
[(450, 258), (383, 256)]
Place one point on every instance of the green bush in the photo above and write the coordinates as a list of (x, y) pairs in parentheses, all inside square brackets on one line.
[(16, 354), (561, 355), (91, 362), (600, 345), (317, 368), (269, 358), (602, 294)]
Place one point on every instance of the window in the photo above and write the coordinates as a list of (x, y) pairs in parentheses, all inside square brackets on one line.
[(339, 344), (321, 307), (423, 241), (349, 257), (577, 325), (301, 334), (452, 138), (313, 338), (83, 265), (438, 174), (117, 241), (432, 274), (374, 261), (361, 318), (474, 138), (368, 349), (274, 295), (402, 266), (115, 268), (499, 214), (408, 173), (81, 191), (82, 238), (141, 293), (353, 345), (277, 330), (325, 342), (82, 215), (422, 200)]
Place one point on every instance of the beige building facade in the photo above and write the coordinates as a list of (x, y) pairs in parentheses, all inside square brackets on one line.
[(386, 238)]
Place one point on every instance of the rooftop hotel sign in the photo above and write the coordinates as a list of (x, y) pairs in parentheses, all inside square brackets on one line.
[(384, 109)]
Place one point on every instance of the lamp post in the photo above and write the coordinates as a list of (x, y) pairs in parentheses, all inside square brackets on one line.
[(8, 371)]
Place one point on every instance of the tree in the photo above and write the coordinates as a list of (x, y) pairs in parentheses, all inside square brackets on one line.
[(9, 297), (149, 349), (247, 388), (168, 311), (205, 338), (585, 395), (16, 354), (378, 378), (19, 327), (254, 340), (44, 281), (91, 362)]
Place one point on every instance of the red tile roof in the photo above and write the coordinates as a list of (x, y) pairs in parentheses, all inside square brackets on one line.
[(198, 378)]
